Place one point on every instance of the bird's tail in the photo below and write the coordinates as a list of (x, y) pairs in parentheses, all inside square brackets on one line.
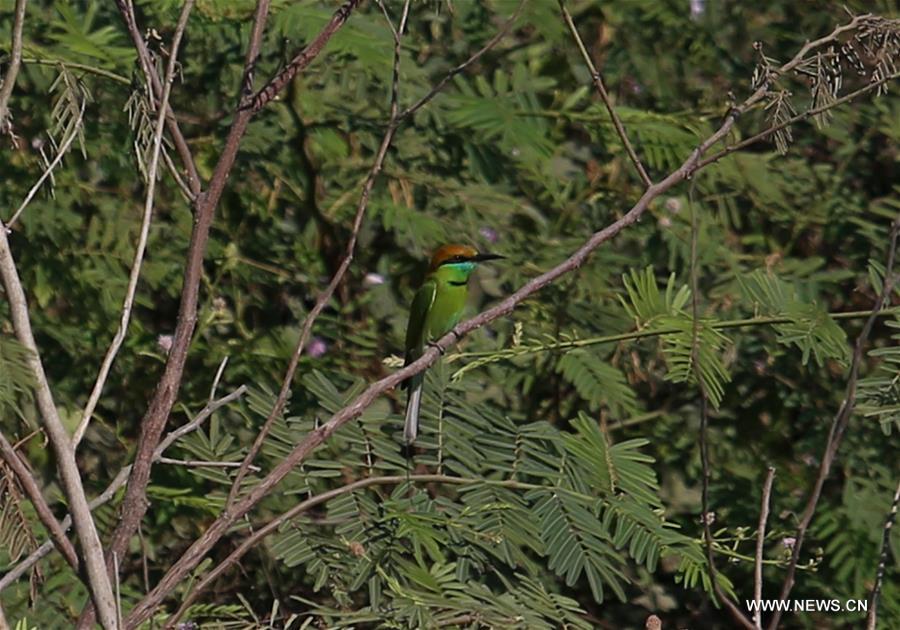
[(411, 428)]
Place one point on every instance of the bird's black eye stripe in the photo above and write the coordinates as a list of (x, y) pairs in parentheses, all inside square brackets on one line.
[(454, 259)]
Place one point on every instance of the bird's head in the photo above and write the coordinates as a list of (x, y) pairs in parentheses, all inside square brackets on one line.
[(461, 257)]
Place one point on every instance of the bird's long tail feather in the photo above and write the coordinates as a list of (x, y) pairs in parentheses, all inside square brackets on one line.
[(411, 428)]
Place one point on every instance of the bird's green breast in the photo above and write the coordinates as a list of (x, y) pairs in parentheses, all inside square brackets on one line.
[(450, 298)]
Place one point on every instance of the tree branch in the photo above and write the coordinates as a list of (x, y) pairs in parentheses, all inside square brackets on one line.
[(92, 551), (839, 424), (45, 514), (706, 517), (119, 480), (135, 503), (302, 59), (597, 78), (760, 541), (872, 616), (15, 61), (126, 8), (135, 273)]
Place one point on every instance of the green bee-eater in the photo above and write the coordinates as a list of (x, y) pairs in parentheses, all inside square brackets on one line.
[(435, 310)]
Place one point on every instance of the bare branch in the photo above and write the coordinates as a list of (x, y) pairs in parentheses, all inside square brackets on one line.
[(597, 78), (131, 289), (119, 480), (302, 59), (810, 113), (45, 514), (15, 61), (883, 556), (412, 109), (706, 516), (92, 551), (760, 541), (126, 8), (839, 423)]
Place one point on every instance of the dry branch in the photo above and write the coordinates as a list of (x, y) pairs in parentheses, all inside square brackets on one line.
[(839, 423), (45, 514)]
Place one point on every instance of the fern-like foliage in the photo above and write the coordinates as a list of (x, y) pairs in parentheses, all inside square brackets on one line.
[(878, 395), (809, 327), (657, 310), (598, 382), (16, 378), (510, 497)]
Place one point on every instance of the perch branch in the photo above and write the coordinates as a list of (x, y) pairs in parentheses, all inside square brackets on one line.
[(394, 121)]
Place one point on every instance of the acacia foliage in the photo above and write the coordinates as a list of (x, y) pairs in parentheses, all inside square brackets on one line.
[(571, 462)]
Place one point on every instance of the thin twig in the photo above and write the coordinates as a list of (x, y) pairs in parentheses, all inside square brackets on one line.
[(597, 79), (135, 505), (15, 61), (134, 276), (338, 276), (412, 109), (706, 516), (883, 556), (218, 528), (71, 65), (119, 480), (60, 154), (198, 463), (839, 423), (45, 514), (760, 542), (126, 9), (762, 135), (490, 356)]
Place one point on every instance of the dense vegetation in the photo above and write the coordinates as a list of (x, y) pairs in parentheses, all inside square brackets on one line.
[(559, 477)]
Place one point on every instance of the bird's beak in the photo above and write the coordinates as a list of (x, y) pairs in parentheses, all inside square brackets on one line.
[(485, 257)]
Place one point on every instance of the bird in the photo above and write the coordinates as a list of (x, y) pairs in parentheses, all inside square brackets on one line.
[(435, 310)]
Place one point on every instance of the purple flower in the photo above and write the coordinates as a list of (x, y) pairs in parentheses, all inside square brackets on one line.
[(489, 234), (164, 342), (698, 7), (788, 542), (317, 347)]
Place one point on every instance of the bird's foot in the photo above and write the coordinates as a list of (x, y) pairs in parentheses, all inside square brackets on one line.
[(443, 351)]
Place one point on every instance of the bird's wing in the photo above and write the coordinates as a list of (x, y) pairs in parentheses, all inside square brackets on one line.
[(418, 313)]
